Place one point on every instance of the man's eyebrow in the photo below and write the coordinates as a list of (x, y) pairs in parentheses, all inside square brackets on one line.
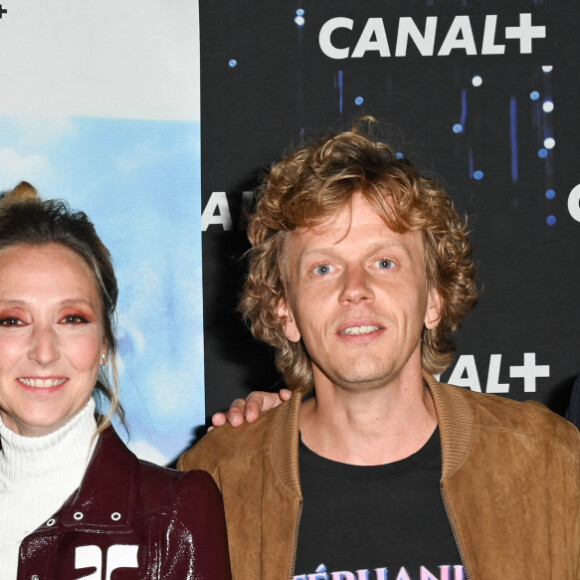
[(329, 250)]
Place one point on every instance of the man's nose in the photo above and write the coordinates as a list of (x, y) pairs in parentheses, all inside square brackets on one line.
[(356, 285), (44, 347)]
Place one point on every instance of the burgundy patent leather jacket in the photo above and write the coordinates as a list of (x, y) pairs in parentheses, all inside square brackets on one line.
[(131, 520)]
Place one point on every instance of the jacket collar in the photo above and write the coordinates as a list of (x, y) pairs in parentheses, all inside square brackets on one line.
[(105, 498), (456, 421), (454, 416), (284, 442)]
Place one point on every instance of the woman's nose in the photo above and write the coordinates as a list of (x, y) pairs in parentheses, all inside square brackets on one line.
[(44, 348)]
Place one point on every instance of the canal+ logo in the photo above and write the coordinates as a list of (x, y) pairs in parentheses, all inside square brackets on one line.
[(426, 37)]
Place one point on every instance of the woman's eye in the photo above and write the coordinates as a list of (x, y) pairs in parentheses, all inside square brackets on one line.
[(10, 321), (74, 319), (323, 269), (385, 264)]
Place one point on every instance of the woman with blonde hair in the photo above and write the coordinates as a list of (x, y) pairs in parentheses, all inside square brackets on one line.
[(75, 502)]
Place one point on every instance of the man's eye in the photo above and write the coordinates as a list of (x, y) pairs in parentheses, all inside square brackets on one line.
[(385, 264), (323, 269), (10, 321)]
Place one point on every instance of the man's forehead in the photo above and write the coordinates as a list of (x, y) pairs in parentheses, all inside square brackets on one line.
[(358, 212), (369, 229)]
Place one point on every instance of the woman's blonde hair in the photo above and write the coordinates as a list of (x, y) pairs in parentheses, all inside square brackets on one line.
[(319, 179), (27, 219)]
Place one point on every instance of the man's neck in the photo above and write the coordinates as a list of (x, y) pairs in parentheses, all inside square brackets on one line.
[(371, 426)]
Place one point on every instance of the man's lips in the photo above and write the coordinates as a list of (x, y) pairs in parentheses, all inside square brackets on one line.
[(360, 327), (360, 330)]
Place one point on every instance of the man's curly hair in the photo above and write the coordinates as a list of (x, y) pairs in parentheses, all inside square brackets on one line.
[(319, 179)]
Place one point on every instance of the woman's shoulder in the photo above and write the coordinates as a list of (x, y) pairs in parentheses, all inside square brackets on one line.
[(166, 492), (187, 508), (158, 480)]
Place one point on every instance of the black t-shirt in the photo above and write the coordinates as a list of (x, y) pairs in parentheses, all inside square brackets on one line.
[(384, 522)]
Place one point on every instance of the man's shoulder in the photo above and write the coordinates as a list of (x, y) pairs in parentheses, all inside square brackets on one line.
[(525, 418), (227, 443)]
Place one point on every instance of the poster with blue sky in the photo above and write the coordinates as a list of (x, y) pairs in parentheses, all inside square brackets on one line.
[(99, 105)]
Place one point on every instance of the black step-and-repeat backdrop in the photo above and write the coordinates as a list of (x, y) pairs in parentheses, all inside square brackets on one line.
[(482, 94)]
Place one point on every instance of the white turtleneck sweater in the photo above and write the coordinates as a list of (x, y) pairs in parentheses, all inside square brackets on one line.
[(37, 475)]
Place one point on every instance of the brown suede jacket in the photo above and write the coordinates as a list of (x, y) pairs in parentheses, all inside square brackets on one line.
[(510, 484)]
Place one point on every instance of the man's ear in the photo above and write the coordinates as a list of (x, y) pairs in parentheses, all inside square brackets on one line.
[(434, 309), (289, 325)]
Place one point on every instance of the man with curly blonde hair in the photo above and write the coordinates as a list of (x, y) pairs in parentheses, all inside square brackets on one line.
[(360, 271)]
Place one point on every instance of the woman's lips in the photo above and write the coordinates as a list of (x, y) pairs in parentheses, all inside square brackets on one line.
[(41, 383)]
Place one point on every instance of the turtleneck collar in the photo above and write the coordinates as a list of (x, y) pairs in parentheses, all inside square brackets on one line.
[(57, 459)]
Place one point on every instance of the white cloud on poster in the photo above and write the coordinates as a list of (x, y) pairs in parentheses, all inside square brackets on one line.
[(127, 332), (178, 395), (14, 165), (101, 58), (142, 155), (144, 450), (39, 131)]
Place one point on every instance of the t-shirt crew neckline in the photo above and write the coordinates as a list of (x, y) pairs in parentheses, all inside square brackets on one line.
[(423, 456)]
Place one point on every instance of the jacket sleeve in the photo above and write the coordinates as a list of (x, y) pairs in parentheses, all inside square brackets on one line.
[(196, 540)]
